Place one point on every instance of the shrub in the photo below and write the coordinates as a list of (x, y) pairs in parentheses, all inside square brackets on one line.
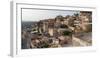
[(67, 33)]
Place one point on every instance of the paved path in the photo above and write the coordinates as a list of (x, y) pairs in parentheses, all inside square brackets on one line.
[(80, 42), (85, 39)]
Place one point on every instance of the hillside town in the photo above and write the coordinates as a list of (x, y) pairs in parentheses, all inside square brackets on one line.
[(69, 31)]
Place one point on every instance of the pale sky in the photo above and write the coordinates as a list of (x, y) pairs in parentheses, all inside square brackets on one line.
[(36, 14)]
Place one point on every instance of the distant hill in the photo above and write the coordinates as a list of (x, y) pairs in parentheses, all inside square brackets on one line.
[(27, 24)]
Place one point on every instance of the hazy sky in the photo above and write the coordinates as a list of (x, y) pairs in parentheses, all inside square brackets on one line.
[(36, 14)]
